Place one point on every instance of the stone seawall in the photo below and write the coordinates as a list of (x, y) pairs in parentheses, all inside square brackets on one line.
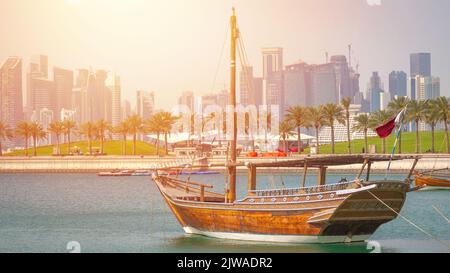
[(108, 163)]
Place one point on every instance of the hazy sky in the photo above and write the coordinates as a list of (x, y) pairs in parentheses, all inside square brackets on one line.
[(169, 46)]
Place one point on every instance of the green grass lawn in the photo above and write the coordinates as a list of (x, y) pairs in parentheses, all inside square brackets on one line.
[(110, 148), (408, 144)]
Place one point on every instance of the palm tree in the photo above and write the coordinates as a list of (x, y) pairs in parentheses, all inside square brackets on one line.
[(442, 106), (316, 119), (345, 102), (375, 120), (285, 130), (57, 128), (88, 130), (297, 116), (37, 133), (432, 118), (155, 125), (416, 113), (167, 125), (394, 107), (161, 123), (103, 127), (69, 126), (333, 112), (123, 130), (135, 127), (23, 130), (362, 125), (5, 134)]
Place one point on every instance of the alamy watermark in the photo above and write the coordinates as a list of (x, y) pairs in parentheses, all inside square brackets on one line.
[(373, 2)]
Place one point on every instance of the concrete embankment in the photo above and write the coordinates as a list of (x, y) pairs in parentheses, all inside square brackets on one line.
[(108, 163)]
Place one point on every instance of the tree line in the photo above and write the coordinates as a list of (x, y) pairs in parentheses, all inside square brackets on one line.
[(430, 112), (160, 123)]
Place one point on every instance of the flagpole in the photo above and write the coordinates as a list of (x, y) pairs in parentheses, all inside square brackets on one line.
[(400, 128)]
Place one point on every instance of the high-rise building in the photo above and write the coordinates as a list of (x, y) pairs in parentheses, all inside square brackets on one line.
[(82, 79), (145, 105), (45, 117), (420, 64), (80, 102), (39, 64), (41, 95), (113, 84), (272, 61), (63, 80), (427, 88), (323, 84), (209, 100), (342, 76), (354, 84), (101, 96), (250, 87), (11, 108), (126, 109), (374, 92), (297, 87), (223, 98), (273, 77), (397, 83), (187, 99)]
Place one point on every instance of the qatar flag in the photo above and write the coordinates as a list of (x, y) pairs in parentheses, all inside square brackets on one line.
[(386, 129)]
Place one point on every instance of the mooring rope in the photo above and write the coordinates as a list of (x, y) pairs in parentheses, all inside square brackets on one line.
[(445, 243), (441, 214)]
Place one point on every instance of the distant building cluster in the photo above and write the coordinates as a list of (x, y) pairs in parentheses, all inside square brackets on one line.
[(317, 84), (299, 83), (82, 96)]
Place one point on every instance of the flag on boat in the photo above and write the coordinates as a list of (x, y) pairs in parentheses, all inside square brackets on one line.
[(386, 129)]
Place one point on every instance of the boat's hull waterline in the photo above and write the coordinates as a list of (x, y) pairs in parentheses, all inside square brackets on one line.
[(334, 216)]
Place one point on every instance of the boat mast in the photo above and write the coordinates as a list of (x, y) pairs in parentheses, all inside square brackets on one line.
[(232, 169)]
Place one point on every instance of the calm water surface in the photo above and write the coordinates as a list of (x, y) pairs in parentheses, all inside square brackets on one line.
[(43, 212)]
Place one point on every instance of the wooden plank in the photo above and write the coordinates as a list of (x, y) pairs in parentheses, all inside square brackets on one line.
[(321, 177), (251, 178), (369, 165)]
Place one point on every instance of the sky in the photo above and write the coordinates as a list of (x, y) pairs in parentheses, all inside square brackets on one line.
[(169, 46)]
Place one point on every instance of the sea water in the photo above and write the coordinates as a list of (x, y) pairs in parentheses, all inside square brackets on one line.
[(87, 213)]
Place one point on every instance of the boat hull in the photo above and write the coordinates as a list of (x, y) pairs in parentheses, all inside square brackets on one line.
[(429, 183), (347, 217)]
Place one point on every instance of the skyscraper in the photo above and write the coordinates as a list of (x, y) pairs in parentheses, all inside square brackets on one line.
[(273, 77), (297, 88), (39, 63), (420, 64), (374, 92), (250, 87), (187, 99), (272, 60), (80, 97), (41, 95), (145, 105), (101, 96), (63, 80), (397, 83), (40, 90), (113, 84), (11, 108), (126, 109), (342, 76), (323, 84)]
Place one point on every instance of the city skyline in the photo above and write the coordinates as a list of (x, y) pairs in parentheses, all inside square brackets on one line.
[(88, 38)]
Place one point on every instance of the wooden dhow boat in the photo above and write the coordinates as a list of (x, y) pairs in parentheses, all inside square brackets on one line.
[(432, 180), (325, 213)]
